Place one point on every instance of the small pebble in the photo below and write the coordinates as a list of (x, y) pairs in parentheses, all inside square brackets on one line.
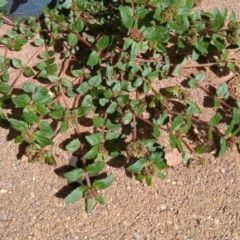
[(163, 207), (3, 191), (216, 221)]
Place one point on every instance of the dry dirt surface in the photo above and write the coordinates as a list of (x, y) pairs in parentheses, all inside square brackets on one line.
[(196, 203)]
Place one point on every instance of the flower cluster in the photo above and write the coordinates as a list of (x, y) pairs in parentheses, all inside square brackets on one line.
[(136, 35), (169, 12), (136, 149), (191, 36), (232, 32)]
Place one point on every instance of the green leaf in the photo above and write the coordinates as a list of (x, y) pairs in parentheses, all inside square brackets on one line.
[(28, 87), (137, 166), (177, 122), (156, 131), (2, 3), (4, 88), (102, 43), (17, 124), (66, 4), (5, 76), (148, 180), (93, 59), (41, 109), (75, 195), (56, 114), (73, 145), (200, 76), (127, 43), (215, 120), (17, 63), (83, 111), (160, 174), (103, 183), (135, 48), (192, 108), (218, 18), (77, 26), (158, 34), (232, 66), (201, 148), (175, 142), (233, 16), (163, 119), (95, 81), (96, 167), (49, 158), (236, 116), (28, 72), (112, 135), (126, 118), (223, 147), (63, 127), (111, 108), (52, 69), (83, 88), (30, 117), (42, 139), (111, 126), (89, 205), (216, 102), (140, 108), (39, 42), (21, 100), (72, 39), (98, 121), (100, 199), (218, 42), (126, 14), (41, 95), (94, 139), (230, 128), (46, 129), (74, 175), (177, 70), (92, 152), (222, 91), (18, 139)]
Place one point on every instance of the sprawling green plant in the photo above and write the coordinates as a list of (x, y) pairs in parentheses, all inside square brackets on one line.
[(112, 54)]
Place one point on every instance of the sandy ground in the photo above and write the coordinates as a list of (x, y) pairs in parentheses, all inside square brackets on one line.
[(196, 203)]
